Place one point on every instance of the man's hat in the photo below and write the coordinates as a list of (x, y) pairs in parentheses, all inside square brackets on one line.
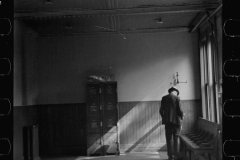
[(173, 88)]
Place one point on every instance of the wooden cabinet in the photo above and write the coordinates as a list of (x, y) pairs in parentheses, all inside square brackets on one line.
[(101, 118)]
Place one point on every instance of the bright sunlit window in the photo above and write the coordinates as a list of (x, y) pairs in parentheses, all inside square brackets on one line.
[(208, 54)]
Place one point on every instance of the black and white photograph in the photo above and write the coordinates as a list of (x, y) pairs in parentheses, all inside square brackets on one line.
[(123, 79)]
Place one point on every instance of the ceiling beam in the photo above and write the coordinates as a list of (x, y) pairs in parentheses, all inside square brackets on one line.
[(121, 11), (122, 33), (205, 18)]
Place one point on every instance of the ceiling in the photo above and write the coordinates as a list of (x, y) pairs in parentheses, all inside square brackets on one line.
[(77, 17)]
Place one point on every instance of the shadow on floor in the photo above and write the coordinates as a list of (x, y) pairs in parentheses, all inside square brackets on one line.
[(145, 136)]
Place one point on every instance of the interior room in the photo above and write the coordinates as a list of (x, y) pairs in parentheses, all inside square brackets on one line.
[(142, 47)]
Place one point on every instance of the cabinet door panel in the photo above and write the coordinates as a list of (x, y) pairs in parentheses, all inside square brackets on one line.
[(93, 125), (110, 124), (109, 143), (93, 99), (94, 144)]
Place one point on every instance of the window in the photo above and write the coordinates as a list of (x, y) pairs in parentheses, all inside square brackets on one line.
[(209, 80)]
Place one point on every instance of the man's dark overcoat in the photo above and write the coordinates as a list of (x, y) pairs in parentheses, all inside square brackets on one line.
[(171, 110)]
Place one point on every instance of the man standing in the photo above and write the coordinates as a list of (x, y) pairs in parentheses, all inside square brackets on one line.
[(172, 116)]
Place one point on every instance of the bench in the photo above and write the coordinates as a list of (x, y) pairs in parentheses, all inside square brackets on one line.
[(203, 140)]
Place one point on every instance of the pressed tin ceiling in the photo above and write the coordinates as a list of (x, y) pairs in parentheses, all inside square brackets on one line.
[(76, 17)]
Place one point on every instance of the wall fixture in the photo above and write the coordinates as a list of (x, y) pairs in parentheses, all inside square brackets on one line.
[(178, 80), (48, 2), (160, 21)]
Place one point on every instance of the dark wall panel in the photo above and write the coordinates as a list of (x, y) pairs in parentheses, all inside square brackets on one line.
[(141, 127), (23, 116), (62, 127)]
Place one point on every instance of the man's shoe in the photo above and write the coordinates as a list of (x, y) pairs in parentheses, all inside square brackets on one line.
[(178, 158)]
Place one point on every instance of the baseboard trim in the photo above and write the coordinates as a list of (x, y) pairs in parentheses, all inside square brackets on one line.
[(18, 158)]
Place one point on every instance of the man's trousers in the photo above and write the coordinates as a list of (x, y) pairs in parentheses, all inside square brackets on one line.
[(172, 133)]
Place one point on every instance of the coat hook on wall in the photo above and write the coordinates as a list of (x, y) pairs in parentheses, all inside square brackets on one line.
[(178, 80)]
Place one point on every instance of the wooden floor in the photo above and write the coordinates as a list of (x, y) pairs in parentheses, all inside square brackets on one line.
[(161, 155), (125, 156)]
